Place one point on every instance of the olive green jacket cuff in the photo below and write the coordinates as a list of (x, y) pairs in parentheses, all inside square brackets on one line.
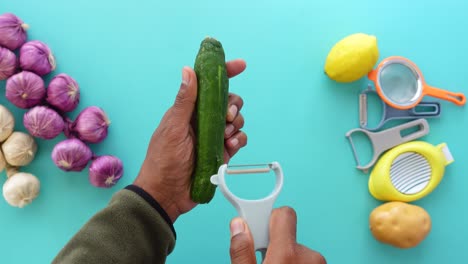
[(133, 228)]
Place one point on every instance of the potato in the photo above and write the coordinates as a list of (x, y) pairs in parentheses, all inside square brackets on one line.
[(400, 224)]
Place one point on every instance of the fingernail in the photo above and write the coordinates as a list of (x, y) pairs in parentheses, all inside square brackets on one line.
[(229, 129), (237, 227), (234, 142), (185, 76), (233, 111)]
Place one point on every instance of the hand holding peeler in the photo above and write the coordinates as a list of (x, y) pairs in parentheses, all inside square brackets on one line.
[(390, 113), (387, 139), (255, 212)]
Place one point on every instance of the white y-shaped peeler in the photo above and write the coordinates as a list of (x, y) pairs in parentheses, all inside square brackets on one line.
[(255, 212)]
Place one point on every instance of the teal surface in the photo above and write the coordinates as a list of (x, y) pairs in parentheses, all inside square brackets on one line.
[(127, 57)]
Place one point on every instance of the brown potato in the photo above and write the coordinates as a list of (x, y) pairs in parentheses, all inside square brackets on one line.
[(400, 224)]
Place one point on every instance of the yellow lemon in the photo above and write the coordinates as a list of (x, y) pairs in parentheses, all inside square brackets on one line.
[(352, 58)]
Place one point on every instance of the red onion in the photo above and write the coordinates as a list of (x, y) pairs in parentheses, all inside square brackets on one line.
[(63, 93), (105, 171), (8, 63), (91, 125), (36, 56), (12, 31), (43, 122), (71, 155), (25, 89)]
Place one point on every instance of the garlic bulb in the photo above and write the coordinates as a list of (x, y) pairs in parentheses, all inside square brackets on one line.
[(8, 63), (36, 56), (105, 171), (12, 31), (91, 125), (21, 189), (63, 93), (7, 123), (43, 122), (71, 155), (25, 89), (19, 149)]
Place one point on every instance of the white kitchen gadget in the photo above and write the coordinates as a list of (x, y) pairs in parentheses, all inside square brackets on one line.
[(255, 212), (387, 139)]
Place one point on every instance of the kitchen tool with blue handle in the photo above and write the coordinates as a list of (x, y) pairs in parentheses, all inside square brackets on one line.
[(429, 110)]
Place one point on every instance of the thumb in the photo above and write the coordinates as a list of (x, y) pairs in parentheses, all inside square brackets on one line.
[(283, 224), (242, 246), (186, 98)]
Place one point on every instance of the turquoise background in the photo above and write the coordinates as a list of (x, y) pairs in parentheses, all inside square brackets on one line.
[(127, 57)]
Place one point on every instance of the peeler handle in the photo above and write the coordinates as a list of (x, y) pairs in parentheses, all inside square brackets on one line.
[(393, 113), (392, 137), (257, 216), (431, 105)]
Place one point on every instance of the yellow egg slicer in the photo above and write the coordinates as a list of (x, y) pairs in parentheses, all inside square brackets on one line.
[(403, 169), (409, 172)]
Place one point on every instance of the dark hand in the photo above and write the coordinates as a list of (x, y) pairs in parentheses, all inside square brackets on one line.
[(283, 247), (169, 163)]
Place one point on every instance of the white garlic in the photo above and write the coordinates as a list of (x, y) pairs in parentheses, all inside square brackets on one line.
[(21, 189), (19, 149), (7, 123)]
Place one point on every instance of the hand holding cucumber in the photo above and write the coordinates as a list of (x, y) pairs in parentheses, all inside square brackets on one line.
[(170, 160)]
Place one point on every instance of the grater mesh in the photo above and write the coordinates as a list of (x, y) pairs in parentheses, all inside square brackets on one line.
[(400, 83), (410, 173)]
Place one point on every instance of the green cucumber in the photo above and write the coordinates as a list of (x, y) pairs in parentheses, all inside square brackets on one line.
[(211, 110)]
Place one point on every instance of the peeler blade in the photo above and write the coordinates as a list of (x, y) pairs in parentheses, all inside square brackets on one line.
[(249, 168), (363, 109)]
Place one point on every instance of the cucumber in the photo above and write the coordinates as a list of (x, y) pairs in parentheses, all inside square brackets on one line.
[(210, 117)]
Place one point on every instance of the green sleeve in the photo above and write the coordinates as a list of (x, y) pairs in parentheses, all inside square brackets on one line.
[(131, 229)]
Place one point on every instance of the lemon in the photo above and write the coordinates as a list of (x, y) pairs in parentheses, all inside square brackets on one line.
[(352, 58)]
